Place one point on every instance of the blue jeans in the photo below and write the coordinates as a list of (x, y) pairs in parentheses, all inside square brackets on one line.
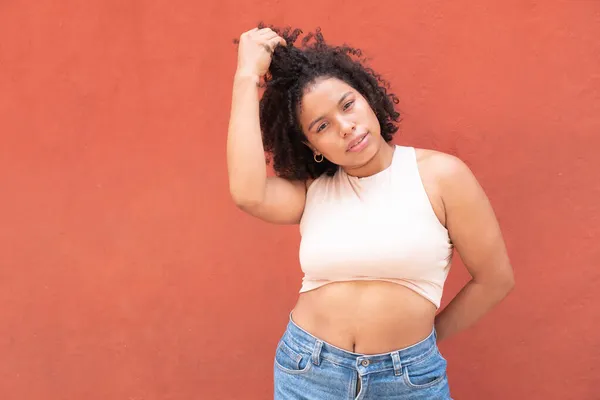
[(308, 368)]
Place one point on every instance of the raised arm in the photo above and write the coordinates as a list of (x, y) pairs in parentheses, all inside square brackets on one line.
[(271, 199)]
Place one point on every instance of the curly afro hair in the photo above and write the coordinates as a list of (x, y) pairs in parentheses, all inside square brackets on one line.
[(294, 67)]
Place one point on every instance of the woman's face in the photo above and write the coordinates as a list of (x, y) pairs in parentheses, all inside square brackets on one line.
[(339, 123)]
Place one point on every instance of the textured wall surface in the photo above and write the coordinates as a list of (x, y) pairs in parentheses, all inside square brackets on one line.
[(127, 273)]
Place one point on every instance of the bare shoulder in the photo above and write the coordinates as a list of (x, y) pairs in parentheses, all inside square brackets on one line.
[(469, 217), (449, 178), (446, 178), (441, 167)]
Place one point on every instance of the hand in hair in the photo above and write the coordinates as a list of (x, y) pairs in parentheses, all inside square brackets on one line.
[(255, 50), (291, 70)]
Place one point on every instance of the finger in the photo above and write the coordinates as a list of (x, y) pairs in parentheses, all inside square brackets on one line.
[(269, 35), (248, 33), (265, 31), (267, 47), (277, 40)]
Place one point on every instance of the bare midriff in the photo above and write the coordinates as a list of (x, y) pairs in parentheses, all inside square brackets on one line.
[(365, 317)]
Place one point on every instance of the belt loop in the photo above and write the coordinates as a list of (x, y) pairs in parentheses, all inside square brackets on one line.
[(397, 363), (316, 355)]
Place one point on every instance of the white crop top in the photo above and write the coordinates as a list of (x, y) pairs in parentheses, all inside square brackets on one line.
[(380, 227)]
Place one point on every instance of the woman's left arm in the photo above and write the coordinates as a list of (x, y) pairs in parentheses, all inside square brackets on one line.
[(476, 235)]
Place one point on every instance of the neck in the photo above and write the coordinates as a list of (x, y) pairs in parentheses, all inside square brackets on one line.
[(380, 161)]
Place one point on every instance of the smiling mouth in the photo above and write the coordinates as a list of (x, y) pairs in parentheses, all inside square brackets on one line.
[(356, 143)]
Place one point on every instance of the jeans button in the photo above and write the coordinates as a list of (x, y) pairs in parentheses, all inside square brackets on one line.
[(365, 363)]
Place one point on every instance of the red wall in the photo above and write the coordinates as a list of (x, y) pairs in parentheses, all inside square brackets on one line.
[(127, 273)]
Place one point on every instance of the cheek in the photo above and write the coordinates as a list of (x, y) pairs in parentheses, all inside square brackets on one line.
[(364, 108), (329, 144), (368, 116), (326, 142), (320, 142)]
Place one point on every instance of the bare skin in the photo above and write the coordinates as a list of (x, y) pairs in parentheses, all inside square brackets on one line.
[(371, 317), (364, 317)]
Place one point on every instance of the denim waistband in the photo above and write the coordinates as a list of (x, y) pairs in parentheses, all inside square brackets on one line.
[(363, 363)]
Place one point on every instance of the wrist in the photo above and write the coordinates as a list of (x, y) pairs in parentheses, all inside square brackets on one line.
[(246, 76)]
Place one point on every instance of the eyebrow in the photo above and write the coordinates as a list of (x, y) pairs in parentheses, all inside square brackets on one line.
[(321, 117)]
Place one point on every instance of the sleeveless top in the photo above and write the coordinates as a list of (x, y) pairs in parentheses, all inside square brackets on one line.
[(380, 227)]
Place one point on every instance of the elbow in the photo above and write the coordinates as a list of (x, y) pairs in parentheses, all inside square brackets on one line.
[(245, 202), (246, 192), (510, 284), (507, 289), (247, 206), (506, 284), (509, 279), (498, 285)]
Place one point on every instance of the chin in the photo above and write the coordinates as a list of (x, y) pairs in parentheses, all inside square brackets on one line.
[(363, 157)]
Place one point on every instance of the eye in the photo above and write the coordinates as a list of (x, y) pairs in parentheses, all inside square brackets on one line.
[(348, 105), (321, 127)]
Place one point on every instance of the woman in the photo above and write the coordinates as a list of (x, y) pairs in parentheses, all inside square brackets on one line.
[(378, 221)]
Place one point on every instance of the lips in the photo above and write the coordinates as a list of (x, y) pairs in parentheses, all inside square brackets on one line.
[(356, 141)]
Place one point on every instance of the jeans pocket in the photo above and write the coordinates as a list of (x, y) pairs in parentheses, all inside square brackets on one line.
[(291, 361), (427, 372)]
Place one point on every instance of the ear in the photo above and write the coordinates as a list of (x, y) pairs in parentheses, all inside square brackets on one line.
[(311, 147)]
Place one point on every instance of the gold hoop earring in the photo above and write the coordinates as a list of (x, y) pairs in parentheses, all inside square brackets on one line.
[(320, 159)]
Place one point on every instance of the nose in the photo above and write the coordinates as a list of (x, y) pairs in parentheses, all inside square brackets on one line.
[(346, 127)]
